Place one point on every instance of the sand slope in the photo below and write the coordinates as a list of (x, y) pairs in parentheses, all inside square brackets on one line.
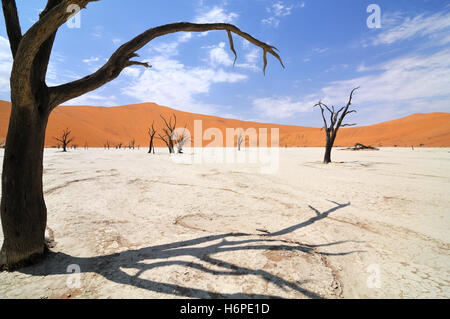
[(95, 125)]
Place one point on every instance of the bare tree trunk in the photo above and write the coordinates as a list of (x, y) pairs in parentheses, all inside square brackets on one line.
[(328, 148), (23, 210), (151, 146)]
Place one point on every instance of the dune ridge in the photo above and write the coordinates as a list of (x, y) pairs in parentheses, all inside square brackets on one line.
[(95, 125)]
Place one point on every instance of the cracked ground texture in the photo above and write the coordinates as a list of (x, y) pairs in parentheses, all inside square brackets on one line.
[(370, 225)]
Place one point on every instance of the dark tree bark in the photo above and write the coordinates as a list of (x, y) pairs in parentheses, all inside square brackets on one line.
[(151, 134), (336, 119), (23, 211)]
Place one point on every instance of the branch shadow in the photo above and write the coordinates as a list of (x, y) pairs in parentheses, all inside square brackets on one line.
[(312, 220), (111, 266)]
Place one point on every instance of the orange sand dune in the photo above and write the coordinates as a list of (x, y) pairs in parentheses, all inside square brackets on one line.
[(96, 125)]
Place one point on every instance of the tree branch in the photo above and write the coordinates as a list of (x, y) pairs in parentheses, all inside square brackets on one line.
[(32, 41), (323, 115), (12, 24), (121, 58), (40, 64), (345, 111)]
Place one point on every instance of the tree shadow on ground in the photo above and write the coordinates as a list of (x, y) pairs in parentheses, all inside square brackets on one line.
[(319, 216), (111, 266)]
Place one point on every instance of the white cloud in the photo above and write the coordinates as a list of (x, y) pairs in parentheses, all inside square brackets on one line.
[(93, 99), (173, 84), (434, 26), (281, 107), (401, 86), (218, 56), (251, 59), (271, 21), (216, 15), (166, 48), (91, 60), (279, 10), (402, 80), (6, 62), (132, 72)]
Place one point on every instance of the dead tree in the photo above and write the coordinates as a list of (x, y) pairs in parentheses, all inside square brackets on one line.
[(65, 139), (240, 140), (119, 146), (107, 145), (86, 145), (362, 147), (336, 119), (168, 131), (151, 133), (132, 144), (23, 209), (181, 140)]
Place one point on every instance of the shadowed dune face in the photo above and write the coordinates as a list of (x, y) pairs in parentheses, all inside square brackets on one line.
[(96, 125)]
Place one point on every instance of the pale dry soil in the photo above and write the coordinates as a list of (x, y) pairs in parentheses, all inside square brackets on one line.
[(373, 224)]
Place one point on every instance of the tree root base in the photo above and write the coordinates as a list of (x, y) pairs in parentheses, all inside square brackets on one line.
[(32, 260)]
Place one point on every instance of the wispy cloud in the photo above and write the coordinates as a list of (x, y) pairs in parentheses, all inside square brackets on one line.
[(91, 60), (279, 10), (409, 84), (96, 99), (436, 26), (216, 14), (400, 80), (174, 84), (281, 107)]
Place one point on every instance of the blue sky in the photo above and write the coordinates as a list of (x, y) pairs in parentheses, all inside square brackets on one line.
[(328, 48)]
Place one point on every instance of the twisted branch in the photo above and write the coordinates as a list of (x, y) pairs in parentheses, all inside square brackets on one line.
[(121, 58)]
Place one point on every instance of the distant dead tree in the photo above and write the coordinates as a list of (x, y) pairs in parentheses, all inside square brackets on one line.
[(151, 133), (107, 145), (65, 139), (132, 144), (240, 140), (336, 119), (362, 147), (168, 130), (86, 145), (181, 140), (119, 146)]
